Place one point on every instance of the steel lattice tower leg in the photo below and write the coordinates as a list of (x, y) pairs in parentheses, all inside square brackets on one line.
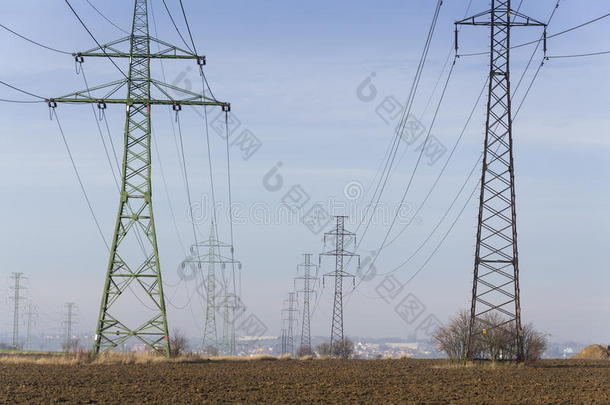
[(135, 211), (342, 237), (495, 292), (307, 290)]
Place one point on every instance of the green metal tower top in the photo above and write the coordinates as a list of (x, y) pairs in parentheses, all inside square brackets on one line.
[(134, 256)]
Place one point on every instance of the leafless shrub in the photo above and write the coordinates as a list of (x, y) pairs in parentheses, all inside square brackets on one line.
[(535, 343), (323, 349), (343, 349), (303, 351), (497, 342), (489, 341), (453, 337), (211, 351), (177, 343), (71, 345)]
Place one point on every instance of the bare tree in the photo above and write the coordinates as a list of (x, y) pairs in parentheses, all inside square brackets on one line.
[(303, 351), (453, 337), (177, 343), (211, 351), (343, 349), (496, 341), (488, 341), (535, 343), (71, 345), (323, 349)]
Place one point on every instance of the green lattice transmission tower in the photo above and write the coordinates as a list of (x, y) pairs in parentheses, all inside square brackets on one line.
[(134, 257)]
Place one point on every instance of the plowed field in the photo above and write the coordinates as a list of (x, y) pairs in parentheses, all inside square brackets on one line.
[(310, 382)]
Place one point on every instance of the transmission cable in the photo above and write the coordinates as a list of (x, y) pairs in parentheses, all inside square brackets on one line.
[(22, 91), (392, 150), (108, 19), (399, 130), (208, 146), (166, 189), (188, 192), (412, 176), (171, 17), (78, 177), (188, 189), (99, 128), (450, 229), (578, 55), (445, 165), (230, 200), (6, 100), (188, 27), (94, 39), (35, 42)]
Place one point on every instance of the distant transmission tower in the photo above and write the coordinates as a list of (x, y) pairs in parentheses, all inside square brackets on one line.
[(31, 314), (67, 323), (308, 278), (135, 226), (289, 319), (284, 349), (212, 257), (230, 306), (17, 298), (341, 237), (495, 291)]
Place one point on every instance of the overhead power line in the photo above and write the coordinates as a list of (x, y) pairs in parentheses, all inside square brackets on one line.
[(78, 177), (188, 27), (5, 100), (107, 19), (94, 39), (22, 91), (578, 55), (171, 17), (395, 144), (35, 42)]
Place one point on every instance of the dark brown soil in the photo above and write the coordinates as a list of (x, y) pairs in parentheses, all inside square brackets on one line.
[(312, 382)]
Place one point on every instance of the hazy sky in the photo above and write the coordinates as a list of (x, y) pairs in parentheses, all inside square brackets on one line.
[(292, 71)]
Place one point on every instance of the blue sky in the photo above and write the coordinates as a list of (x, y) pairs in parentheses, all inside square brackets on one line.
[(291, 71)]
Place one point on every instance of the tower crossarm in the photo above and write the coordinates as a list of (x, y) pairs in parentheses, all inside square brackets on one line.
[(342, 253), (486, 18), (120, 49), (107, 94)]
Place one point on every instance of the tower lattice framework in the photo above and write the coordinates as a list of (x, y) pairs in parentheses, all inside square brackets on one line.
[(288, 320), (342, 238), (495, 293), (134, 257), (308, 278), (210, 254)]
